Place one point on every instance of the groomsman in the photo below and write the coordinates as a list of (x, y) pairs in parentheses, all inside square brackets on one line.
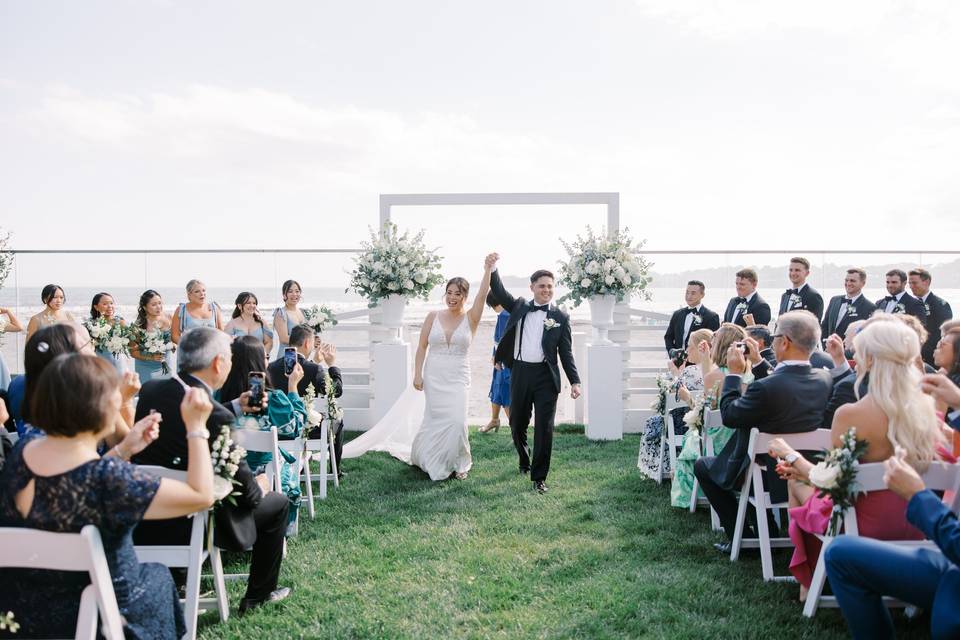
[(898, 300), (936, 309), (690, 318), (802, 295), (848, 308), (747, 307)]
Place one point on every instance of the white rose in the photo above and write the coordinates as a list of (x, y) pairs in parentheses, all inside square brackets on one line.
[(609, 280), (593, 267), (609, 264), (824, 476), (585, 283), (420, 277), (403, 260), (408, 284), (619, 271), (626, 279), (393, 286)]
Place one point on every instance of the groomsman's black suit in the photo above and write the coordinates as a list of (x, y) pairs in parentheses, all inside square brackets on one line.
[(674, 338), (791, 399), (906, 304), (833, 324), (810, 300), (757, 306), (937, 311), (534, 384)]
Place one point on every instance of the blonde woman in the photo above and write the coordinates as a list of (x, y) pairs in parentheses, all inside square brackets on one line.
[(195, 312), (690, 379), (895, 415)]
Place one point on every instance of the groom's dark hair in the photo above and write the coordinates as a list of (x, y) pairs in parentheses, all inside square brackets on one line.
[(539, 273)]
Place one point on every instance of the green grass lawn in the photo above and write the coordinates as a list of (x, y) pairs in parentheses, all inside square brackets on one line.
[(602, 555)]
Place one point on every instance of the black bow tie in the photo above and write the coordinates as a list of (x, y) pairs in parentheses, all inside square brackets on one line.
[(689, 310), (793, 291), (741, 300), (847, 301), (539, 307), (891, 298)]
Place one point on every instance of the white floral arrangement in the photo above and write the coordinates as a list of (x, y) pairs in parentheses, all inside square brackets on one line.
[(659, 405), (3, 326), (314, 417), (835, 476), (109, 337), (334, 412), (6, 257), (226, 456), (599, 265), (8, 623), (319, 317), (694, 417), (395, 264)]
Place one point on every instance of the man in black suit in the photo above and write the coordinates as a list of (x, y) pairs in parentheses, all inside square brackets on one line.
[(747, 307), (788, 400), (310, 354), (848, 308), (761, 335), (937, 310), (801, 295), (259, 517), (536, 336), (689, 318), (897, 299)]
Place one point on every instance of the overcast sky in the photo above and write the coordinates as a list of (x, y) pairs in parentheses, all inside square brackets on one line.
[(760, 124)]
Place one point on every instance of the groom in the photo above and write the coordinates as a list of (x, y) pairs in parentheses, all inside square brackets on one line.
[(536, 335)]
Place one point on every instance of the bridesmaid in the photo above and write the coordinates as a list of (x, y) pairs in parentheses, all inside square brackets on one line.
[(195, 312), (8, 324), (247, 321), (53, 298), (288, 316), (150, 317), (104, 307)]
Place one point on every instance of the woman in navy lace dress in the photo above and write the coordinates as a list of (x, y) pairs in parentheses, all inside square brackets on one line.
[(57, 482)]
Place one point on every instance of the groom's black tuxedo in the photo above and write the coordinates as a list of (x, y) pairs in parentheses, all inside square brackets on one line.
[(834, 324), (534, 384), (810, 300), (757, 306)]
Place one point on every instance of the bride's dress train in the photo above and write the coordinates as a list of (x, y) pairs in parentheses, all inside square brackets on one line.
[(429, 429)]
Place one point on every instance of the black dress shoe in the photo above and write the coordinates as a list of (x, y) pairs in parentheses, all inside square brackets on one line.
[(722, 547), (540, 486), (281, 593), (524, 470)]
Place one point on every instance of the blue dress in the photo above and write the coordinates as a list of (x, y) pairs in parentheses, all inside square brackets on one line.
[(256, 333), (291, 323), (187, 321), (109, 357), (500, 385), (112, 495), (151, 369)]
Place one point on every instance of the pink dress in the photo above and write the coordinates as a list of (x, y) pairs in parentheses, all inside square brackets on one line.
[(880, 514)]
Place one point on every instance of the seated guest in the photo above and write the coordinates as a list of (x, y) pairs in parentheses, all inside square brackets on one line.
[(689, 318), (897, 299), (801, 295), (761, 334), (57, 482), (246, 321), (936, 308), (310, 354), (916, 325), (747, 307), (844, 376), (258, 517), (946, 357), (895, 414), (848, 308), (862, 571), (789, 400)]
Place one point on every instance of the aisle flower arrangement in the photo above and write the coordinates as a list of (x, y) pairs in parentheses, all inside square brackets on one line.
[(395, 264), (835, 476), (599, 265)]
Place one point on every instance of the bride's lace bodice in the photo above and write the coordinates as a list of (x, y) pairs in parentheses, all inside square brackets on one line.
[(460, 339)]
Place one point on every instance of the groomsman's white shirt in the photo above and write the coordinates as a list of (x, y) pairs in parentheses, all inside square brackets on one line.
[(843, 308), (736, 311), (688, 322), (893, 303), (532, 338)]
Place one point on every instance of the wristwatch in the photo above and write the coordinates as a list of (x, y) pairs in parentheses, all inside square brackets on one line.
[(199, 433), (791, 458)]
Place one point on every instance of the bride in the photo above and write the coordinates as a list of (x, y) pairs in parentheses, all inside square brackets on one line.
[(429, 429)]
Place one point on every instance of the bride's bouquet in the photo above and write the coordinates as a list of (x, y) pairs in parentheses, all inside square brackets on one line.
[(319, 317), (599, 265), (394, 264), (109, 337)]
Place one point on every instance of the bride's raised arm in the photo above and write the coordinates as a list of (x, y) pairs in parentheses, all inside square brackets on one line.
[(476, 311)]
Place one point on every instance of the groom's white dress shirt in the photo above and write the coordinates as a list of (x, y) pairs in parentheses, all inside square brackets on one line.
[(530, 338)]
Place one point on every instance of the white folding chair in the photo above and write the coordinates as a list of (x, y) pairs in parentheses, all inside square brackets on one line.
[(297, 448), (939, 477), (711, 418), (22, 548), (669, 440), (190, 556), (759, 442), (263, 442), (323, 450)]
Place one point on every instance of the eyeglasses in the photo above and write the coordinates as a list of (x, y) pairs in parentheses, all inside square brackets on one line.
[(779, 335)]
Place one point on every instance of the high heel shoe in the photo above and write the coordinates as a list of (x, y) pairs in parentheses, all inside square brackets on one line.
[(493, 425)]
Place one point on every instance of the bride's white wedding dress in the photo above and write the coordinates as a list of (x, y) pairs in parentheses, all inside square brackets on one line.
[(429, 429)]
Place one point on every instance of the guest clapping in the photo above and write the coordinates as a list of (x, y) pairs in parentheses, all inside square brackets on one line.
[(53, 312), (289, 315), (747, 307), (195, 312), (246, 321)]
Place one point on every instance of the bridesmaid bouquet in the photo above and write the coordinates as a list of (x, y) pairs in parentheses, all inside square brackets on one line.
[(394, 264), (112, 338), (319, 317), (599, 265), (835, 476), (155, 342)]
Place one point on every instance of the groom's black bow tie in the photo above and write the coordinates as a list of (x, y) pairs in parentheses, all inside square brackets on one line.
[(793, 291), (539, 307), (741, 300), (689, 310)]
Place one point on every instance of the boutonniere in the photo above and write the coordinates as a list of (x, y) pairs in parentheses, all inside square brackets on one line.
[(926, 307), (795, 301), (899, 308), (851, 311), (697, 319), (742, 306), (550, 323)]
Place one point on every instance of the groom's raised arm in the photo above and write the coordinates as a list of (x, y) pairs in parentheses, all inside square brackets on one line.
[(501, 295)]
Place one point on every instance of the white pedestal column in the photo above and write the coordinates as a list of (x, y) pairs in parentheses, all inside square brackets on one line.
[(391, 376), (605, 401)]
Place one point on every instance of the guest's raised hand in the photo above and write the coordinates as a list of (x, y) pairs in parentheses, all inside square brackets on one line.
[(195, 408), (329, 353), (246, 406), (129, 386), (778, 448), (140, 436), (900, 477), (942, 388), (834, 346), (736, 363), (295, 376), (703, 347), (753, 351), (748, 318), (684, 394)]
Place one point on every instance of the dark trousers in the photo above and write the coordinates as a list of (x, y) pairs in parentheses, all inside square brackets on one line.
[(532, 386), (726, 504), (861, 571), (271, 520)]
